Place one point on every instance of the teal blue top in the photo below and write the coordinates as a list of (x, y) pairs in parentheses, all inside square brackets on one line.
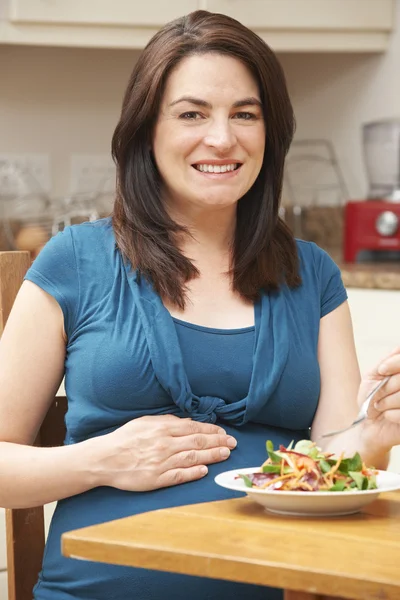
[(127, 357)]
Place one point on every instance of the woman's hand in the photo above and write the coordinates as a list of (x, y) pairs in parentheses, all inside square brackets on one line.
[(383, 425), (158, 451)]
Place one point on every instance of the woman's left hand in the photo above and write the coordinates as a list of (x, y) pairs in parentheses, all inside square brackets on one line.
[(383, 424)]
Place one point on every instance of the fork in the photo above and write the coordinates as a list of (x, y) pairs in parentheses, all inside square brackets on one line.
[(363, 410)]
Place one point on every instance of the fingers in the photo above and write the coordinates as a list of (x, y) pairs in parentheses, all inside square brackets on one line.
[(179, 449), (391, 402), (190, 465), (199, 441), (391, 364), (392, 415), (387, 403), (192, 458), (389, 395), (178, 476), (179, 427)]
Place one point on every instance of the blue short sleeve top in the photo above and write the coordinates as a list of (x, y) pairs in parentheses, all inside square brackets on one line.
[(123, 354), (126, 357)]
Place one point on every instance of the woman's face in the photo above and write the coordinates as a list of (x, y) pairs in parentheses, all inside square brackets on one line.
[(209, 138)]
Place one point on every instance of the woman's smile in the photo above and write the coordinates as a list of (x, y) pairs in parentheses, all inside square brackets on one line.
[(218, 170), (211, 120)]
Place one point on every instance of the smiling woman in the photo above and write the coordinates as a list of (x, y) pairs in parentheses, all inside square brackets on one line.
[(217, 123), (191, 327)]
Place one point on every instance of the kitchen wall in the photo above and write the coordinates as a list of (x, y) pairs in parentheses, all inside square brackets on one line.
[(63, 101), (60, 101), (334, 94)]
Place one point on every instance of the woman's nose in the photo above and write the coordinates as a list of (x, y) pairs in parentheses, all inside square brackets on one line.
[(220, 136)]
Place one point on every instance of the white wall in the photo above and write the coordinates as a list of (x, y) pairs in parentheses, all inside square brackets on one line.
[(64, 101), (334, 94), (60, 101)]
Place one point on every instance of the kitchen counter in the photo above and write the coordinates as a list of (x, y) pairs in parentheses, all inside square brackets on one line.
[(324, 226), (366, 275), (380, 276)]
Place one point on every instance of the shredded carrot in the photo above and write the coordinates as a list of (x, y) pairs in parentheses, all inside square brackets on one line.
[(336, 465), (268, 483), (305, 472)]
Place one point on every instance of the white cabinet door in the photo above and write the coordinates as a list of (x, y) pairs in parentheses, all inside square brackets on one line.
[(100, 12), (376, 324), (308, 14), (3, 585), (287, 25), (3, 554), (376, 332)]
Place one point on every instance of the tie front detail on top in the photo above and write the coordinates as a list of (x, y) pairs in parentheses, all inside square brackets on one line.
[(269, 361)]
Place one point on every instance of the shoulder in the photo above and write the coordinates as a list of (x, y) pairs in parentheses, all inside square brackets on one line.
[(76, 266), (100, 233), (313, 260), (66, 246), (77, 251), (309, 250), (321, 276), (95, 254), (88, 246)]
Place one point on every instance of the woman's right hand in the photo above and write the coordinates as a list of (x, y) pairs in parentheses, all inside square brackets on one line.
[(159, 451)]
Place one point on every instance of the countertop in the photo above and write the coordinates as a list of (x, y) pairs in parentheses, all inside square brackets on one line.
[(379, 276), (324, 225), (367, 275)]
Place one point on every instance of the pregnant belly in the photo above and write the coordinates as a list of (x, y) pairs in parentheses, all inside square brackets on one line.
[(103, 504), (80, 579)]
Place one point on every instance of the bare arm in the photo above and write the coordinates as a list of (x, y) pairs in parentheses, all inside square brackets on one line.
[(340, 381), (144, 454), (32, 352)]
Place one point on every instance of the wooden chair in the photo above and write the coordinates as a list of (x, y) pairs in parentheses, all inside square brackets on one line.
[(25, 527)]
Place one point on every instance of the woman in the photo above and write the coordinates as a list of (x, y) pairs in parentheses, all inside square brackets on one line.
[(189, 325)]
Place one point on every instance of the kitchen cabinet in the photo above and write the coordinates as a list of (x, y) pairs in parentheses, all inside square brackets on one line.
[(317, 25), (92, 23), (3, 553), (287, 25), (100, 12), (375, 322), (3, 585), (377, 333)]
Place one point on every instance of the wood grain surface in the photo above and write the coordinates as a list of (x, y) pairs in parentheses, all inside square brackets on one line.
[(356, 557)]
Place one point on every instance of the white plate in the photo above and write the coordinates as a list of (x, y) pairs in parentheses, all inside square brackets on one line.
[(322, 504)]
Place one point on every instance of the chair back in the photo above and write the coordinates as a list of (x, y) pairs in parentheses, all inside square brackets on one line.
[(25, 532)]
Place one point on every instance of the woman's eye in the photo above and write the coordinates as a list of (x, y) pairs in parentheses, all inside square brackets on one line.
[(191, 115), (246, 116)]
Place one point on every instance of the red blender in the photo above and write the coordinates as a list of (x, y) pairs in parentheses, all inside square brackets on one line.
[(372, 226)]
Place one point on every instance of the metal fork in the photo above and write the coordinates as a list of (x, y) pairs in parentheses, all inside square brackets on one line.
[(363, 410)]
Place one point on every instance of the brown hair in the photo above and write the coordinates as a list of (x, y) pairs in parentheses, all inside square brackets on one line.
[(264, 252)]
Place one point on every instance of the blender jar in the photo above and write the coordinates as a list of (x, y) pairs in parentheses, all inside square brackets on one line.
[(381, 142)]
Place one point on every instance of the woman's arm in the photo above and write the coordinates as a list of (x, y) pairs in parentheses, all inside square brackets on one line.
[(340, 383), (32, 352), (144, 454)]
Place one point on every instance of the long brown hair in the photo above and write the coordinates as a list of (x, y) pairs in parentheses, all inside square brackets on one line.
[(264, 253)]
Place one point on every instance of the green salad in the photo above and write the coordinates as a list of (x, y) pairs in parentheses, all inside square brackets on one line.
[(305, 467)]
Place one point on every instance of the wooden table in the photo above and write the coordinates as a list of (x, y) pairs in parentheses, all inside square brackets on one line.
[(355, 557)]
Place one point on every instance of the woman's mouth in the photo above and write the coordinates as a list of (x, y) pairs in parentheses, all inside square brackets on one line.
[(226, 168)]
